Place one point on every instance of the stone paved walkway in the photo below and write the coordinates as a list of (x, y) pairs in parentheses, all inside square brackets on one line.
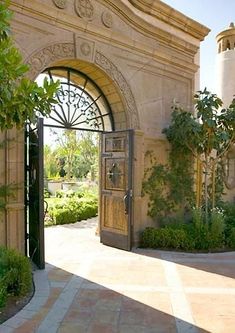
[(88, 287)]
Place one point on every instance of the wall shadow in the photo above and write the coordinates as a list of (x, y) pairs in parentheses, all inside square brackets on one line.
[(98, 309), (216, 263)]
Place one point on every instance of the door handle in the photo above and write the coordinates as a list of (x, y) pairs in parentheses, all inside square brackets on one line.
[(126, 203)]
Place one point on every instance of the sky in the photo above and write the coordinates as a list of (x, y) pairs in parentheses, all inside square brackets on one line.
[(216, 15)]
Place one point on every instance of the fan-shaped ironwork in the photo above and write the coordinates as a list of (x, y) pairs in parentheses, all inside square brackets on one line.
[(81, 103)]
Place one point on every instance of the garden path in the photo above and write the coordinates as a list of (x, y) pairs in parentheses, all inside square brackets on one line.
[(89, 287)]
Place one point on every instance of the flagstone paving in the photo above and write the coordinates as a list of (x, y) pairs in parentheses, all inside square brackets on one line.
[(92, 288)]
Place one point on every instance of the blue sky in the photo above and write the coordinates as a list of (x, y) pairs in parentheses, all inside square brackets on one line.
[(216, 15)]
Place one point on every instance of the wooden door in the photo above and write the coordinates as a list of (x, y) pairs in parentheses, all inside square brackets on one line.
[(116, 189)]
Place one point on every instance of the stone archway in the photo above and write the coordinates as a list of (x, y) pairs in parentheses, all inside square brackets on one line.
[(61, 52), (117, 92)]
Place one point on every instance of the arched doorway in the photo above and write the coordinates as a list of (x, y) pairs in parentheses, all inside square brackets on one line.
[(82, 105)]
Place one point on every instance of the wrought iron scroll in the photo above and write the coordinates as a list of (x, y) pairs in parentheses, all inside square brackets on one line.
[(81, 103)]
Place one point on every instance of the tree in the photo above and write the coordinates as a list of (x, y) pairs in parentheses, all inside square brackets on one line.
[(20, 98), (50, 164), (67, 150), (79, 153), (88, 155), (208, 135)]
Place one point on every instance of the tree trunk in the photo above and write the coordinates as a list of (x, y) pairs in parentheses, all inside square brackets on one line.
[(206, 187), (213, 186)]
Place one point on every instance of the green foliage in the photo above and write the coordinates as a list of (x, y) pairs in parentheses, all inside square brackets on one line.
[(155, 185), (69, 194), (15, 274), (207, 136), (71, 210), (87, 160), (230, 240), (229, 220), (217, 228), (20, 98), (166, 238), (74, 156), (50, 162), (193, 236), (169, 187)]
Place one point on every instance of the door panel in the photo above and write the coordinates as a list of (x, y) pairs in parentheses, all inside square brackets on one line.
[(116, 189), (34, 190)]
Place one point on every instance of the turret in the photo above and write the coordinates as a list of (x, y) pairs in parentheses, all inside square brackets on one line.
[(225, 64)]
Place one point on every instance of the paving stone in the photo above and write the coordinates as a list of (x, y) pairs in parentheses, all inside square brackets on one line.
[(98, 289)]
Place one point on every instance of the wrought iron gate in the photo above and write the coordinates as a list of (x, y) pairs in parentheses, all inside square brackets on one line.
[(34, 196)]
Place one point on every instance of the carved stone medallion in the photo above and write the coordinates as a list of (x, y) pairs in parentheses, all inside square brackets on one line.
[(107, 19), (60, 3), (84, 9), (85, 49)]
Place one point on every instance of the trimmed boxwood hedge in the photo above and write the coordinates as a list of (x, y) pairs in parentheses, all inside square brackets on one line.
[(187, 238), (72, 210)]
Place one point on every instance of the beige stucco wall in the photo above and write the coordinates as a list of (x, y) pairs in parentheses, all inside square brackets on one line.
[(142, 54)]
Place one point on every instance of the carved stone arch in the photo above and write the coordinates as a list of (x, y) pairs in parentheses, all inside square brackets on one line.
[(109, 68), (43, 58)]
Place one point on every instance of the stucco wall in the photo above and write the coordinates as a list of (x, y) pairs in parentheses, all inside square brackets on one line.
[(143, 60)]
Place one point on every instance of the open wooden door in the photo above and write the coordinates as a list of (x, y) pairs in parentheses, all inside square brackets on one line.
[(116, 189)]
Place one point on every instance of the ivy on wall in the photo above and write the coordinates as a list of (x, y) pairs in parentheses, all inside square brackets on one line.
[(195, 173)]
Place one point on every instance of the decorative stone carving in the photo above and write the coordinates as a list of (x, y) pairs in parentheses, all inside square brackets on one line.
[(107, 19), (119, 79), (39, 61), (84, 9), (45, 57), (84, 49), (60, 3)]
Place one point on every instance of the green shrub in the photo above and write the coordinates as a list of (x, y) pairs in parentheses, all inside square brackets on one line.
[(189, 236), (230, 240), (64, 215), (217, 227), (73, 210), (167, 238), (216, 234), (229, 220), (15, 274), (87, 210), (79, 194), (60, 194), (69, 194)]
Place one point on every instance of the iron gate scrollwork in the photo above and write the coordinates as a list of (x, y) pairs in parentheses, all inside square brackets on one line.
[(80, 102)]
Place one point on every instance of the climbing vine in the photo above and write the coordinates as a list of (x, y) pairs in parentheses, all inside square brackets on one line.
[(169, 186), (199, 143)]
